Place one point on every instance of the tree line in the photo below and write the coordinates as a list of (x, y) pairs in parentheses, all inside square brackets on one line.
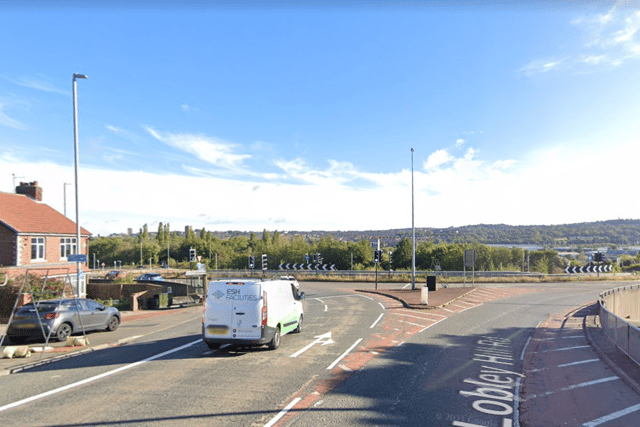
[(172, 248)]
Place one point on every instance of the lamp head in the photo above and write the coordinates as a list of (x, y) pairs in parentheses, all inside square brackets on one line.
[(79, 76)]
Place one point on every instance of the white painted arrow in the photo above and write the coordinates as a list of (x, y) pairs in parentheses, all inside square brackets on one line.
[(280, 267), (287, 266), (294, 266), (333, 267), (325, 339)]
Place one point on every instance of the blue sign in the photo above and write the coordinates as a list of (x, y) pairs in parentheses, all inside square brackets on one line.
[(77, 258)]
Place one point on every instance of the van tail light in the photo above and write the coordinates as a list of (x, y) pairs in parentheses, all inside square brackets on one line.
[(204, 310), (51, 316), (264, 309)]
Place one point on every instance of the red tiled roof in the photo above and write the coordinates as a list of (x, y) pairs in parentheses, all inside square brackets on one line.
[(26, 215)]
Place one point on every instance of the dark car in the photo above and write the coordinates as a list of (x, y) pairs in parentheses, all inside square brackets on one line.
[(60, 318), (114, 274), (150, 277)]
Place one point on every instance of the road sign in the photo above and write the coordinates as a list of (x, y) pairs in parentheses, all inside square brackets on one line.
[(77, 258)]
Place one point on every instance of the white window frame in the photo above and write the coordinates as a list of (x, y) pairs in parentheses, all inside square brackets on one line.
[(38, 244), (68, 246)]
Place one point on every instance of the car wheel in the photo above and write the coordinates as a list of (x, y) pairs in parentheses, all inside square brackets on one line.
[(299, 328), (275, 342), (63, 332), (113, 323), (213, 346)]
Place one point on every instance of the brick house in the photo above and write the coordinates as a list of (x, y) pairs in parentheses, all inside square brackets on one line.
[(36, 237)]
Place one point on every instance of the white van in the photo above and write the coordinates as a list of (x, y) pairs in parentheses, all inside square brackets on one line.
[(251, 312)]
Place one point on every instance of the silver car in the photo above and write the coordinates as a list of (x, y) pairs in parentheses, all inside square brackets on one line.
[(60, 318)]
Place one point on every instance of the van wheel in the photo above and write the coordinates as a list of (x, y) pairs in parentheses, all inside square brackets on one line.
[(299, 328), (275, 342), (213, 346)]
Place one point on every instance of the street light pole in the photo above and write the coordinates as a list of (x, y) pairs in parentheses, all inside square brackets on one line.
[(77, 162), (413, 233)]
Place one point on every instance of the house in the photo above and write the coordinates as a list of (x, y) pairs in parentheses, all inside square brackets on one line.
[(35, 237)]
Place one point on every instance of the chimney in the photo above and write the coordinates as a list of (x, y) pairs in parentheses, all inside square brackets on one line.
[(30, 189)]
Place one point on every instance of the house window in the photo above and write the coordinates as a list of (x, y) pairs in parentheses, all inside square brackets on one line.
[(67, 247), (37, 248)]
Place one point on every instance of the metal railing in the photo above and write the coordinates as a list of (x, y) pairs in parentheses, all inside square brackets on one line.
[(618, 309)]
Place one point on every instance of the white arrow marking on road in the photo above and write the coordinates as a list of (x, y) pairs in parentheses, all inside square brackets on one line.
[(319, 339)]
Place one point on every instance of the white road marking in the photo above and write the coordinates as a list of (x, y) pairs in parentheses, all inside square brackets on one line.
[(612, 416), (283, 412), (383, 307), (566, 348), (344, 354), (572, 387), (427, 327), (377, 320), (564, 365), (97, 377)]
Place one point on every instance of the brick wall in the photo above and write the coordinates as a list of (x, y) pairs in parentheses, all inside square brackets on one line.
[(7, 247)]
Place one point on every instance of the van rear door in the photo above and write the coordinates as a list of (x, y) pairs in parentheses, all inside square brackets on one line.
[(234, 310), (245, 316)]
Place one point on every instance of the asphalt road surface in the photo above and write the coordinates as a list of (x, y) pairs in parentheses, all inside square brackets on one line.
[(501, 356)]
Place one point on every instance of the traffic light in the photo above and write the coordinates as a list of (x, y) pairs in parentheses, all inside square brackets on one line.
[(315, 258), (264, 261), (377, 256), (598, 257), (390, 257), (252, 262), (192, 255)]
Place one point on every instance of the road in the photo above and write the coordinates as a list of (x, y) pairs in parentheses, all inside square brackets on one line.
[(361, 360)]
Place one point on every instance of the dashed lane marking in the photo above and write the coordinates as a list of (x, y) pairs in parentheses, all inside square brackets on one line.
[(612, 416), (575, 386)]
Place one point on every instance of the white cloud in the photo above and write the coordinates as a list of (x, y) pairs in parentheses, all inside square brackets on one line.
[(437, 159), (611, 39), (540, 188), (6, 120), (460, 142), (214, 151), (38, 83)]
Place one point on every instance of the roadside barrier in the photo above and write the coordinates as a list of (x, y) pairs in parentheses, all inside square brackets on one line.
[(619, 310)]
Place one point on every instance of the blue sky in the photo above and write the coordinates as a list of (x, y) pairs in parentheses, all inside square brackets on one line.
[(283, 116)]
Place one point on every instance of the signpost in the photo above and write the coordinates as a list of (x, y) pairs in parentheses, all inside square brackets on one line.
[(77, 258)]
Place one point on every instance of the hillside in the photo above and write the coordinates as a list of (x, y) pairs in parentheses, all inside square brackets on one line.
[(621, 232)]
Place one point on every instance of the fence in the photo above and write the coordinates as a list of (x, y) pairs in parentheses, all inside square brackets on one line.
[(619, 309)]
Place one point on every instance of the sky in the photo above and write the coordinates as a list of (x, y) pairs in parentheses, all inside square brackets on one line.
[(297, 116)]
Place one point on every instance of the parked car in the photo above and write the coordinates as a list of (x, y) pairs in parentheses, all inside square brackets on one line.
[(115, 274), (150, 276), (60, 318)]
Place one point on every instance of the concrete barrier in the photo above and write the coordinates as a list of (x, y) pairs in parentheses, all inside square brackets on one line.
[(619, 310)]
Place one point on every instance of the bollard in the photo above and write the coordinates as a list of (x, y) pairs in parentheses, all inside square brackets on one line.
[(424, 295)]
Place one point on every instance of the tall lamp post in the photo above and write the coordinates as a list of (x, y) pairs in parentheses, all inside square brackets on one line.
[(75, 140), (413, 233)]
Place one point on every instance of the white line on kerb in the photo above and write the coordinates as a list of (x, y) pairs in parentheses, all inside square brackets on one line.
[(564, 365), (344, 354), (612, 416), (566, 348), (97, 377), (283, 412), (377, 320), (525, 348)]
